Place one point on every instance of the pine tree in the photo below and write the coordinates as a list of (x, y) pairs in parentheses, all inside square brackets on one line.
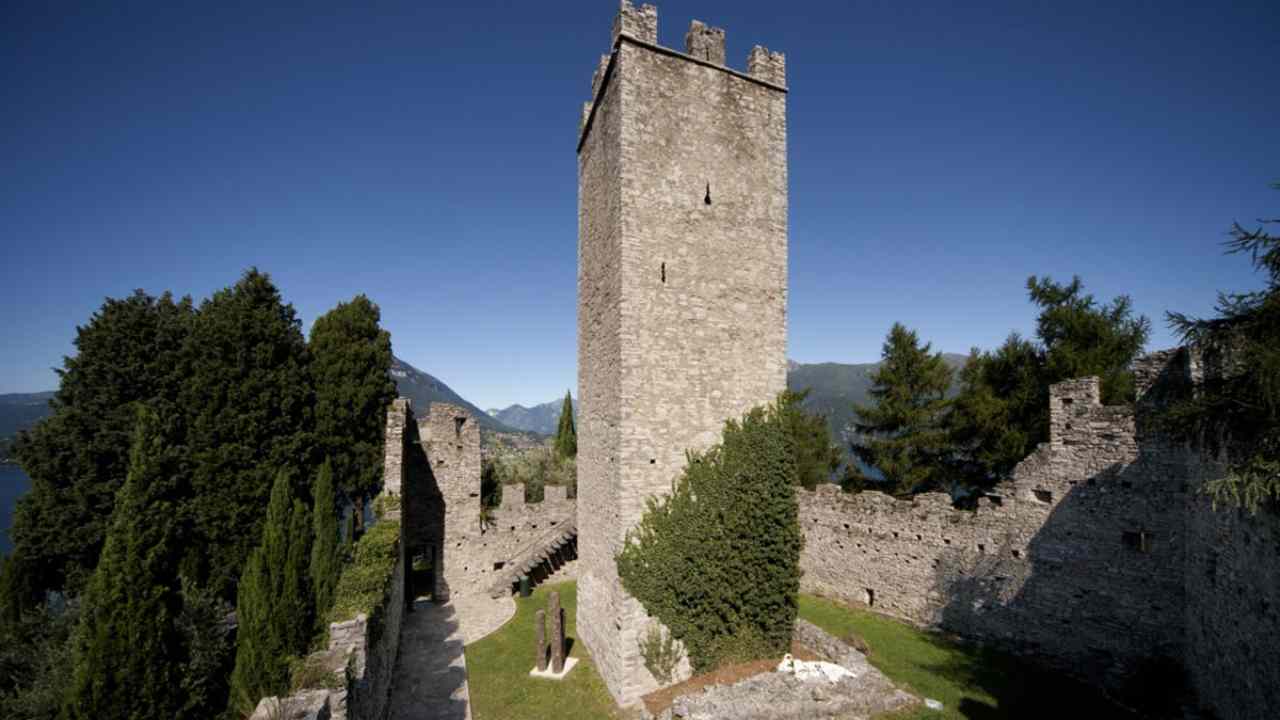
[(1081, 337), (273, 599), (250, 398), (127, 649), (325, 558), (1238, 406), (901, 435), (1001, 412), (816, 457), (351, 365), (566, 442), (127, 353)]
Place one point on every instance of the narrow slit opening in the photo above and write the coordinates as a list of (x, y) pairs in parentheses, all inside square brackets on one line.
[(707, 198)]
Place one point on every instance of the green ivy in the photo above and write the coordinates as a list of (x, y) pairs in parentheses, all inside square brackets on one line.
[(719, 559)]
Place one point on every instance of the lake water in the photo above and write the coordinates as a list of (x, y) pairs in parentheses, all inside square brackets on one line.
[(13, 483)]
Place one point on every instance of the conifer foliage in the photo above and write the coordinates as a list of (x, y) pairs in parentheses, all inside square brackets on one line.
[(1238, 408), (902, 433), (127, 648), (351, 363), (566, 441), (274, 602), (326, 560), (816, 457), (718, 560), (128, 353), (250, 398)]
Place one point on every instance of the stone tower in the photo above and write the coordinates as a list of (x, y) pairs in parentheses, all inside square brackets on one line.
[(682, 289), (451, 439)]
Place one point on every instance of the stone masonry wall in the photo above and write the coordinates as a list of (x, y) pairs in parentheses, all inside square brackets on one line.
[(1233, 609), (682, 289), (1077, 559), (1099, 556), (451, 440)]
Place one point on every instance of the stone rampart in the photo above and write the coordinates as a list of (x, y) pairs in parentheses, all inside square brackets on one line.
[(1099, 555)]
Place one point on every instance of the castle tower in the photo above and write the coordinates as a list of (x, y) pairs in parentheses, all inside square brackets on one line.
[(682, 289), (451, 439)]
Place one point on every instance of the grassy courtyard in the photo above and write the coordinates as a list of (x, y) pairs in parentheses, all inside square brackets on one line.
[(498, 670), (973, 684)]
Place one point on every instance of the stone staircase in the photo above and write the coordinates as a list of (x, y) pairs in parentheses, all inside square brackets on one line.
[(540, 559)]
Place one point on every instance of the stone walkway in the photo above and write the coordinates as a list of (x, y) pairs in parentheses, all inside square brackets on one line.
[(430, 680)]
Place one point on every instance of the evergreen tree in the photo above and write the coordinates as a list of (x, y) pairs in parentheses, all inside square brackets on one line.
[(260, 669), (718, 561), (127, 648), (1001, 412), (1081, 337), (566, 442), (902, 434), (325, 553), (1238, 407), (351, 365), (250, 398), (128, 353), (816, 457), (273, 600)]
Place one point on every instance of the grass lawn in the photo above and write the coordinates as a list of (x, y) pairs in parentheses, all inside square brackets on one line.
[(498, 670), (972, 683)]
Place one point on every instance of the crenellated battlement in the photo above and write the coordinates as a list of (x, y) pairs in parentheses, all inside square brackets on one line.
[(636, 23), (705, 43), (771, 67)]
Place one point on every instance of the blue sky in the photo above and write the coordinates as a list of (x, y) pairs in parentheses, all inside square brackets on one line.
[(424, 155)]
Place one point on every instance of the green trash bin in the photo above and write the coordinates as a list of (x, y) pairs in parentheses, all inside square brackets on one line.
[(525, 589)]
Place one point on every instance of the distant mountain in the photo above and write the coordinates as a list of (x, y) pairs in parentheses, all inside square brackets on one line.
[(834, 388), (19, 411), (423, 389), (543, 419)]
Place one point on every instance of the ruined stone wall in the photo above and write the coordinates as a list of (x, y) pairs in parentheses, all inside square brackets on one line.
[(1077, 559), (1100, 555), (1233, 609), (682, 289), (515, 525), (451, 441)]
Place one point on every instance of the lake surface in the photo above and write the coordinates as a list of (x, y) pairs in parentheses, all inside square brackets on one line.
[(13, 483)]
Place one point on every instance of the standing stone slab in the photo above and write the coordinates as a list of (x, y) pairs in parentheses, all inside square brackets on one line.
[(540, 640), (557, 633)]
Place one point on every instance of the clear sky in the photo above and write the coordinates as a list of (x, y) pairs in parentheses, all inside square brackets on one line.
[(424, 155)]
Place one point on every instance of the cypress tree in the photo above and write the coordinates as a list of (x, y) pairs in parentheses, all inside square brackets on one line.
[(566, 441), (273, 608), (127, 649), (351, 366), (325, 558), (250, 398), (129, 352), (901, 435)]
